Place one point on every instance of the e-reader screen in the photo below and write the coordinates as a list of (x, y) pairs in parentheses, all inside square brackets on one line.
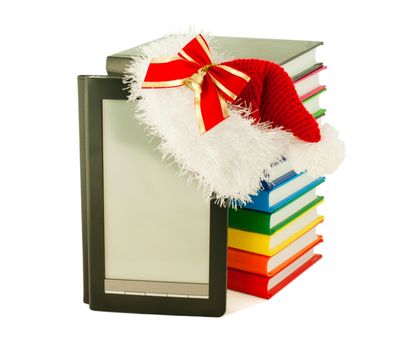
[(156, 223)]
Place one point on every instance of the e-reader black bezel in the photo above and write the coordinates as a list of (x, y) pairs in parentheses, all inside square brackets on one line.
[(93, 90)]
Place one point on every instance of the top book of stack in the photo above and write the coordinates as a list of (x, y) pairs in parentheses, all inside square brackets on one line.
[(297, 57)]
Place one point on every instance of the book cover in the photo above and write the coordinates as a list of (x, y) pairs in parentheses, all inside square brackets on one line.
[(259, 264), (309, 74), (261, 222), (312, 103), (277, 50), (257, 285), (319, 113), (278, 180), (280, 171), (269, 201), (309, 83), (313, 92), (269, 244)]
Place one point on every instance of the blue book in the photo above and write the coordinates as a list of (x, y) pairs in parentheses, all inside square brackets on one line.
[(279, 180), (280, 171), (283, 192)]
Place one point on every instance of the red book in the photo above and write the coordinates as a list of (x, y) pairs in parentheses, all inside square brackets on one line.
[(267, 286)]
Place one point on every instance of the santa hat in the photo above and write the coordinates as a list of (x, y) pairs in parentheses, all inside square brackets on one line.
[(265, 122), (273, 98)]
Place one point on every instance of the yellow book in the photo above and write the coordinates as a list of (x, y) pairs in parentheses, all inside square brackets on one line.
[(272, 244)]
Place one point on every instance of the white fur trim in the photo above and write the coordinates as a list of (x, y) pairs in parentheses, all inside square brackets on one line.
[(319, 158), (229, 160)]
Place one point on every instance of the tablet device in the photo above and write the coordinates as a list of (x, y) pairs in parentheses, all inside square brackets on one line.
[(151, 242)]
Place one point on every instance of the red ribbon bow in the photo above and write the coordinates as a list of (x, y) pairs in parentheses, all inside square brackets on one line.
[(212, 84)]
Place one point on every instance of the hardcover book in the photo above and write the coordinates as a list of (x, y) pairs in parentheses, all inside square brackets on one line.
[(309, 82), (267, 286), (269, 244), (272, 199), (268, 223), (312, 104), (297, 57), (269, 265)]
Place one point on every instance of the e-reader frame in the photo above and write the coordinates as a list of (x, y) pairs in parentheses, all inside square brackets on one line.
[(92, 90)]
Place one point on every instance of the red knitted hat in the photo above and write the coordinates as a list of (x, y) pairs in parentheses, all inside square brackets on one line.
[(272, 98)]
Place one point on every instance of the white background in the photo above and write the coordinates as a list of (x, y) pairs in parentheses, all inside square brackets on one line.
[(360, 295)]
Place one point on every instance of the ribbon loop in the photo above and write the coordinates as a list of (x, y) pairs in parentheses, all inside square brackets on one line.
[(212, 84)]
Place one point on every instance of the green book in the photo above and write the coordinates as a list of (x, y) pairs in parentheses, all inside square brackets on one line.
[(312, 104), (296, 56), (268, 223), (319, 113)]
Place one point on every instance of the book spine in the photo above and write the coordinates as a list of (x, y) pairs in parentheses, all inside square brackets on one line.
[(82, 100), (247, 283), (278, 181), (249, 220), (246, 261), (116, 66), (253, 284), (260, 201), (248, 241)]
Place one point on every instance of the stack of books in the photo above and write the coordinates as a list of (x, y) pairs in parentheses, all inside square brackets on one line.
[(271, 240)]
